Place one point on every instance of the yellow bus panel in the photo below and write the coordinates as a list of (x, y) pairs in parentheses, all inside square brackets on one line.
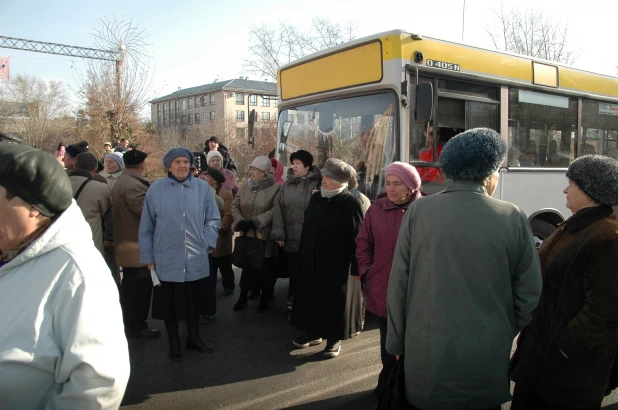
[(356, 66)]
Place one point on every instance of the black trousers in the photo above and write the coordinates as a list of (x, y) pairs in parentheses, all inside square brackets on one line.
[(292, 259), (109, 255), (135, 296), (211, 288), (525, 400), (388, 360), (263, 279), (224, 265)]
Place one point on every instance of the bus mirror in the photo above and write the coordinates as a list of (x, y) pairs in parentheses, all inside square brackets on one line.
[(251, 123), (424, 103), (285, 131)]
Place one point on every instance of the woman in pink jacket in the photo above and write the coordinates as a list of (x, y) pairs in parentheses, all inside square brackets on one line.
[(375, 247)]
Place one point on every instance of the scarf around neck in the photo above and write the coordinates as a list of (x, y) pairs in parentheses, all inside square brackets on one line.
[(334, 192)]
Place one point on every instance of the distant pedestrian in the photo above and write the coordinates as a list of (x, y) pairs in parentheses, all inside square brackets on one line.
[(114, 164), (62, 345), (179, 205), (214, 144), (327, 303), (59, 154), (276, 170), (465, 279), (566, 355)]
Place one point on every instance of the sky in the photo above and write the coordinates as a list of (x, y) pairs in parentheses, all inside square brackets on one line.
[(195, 42)]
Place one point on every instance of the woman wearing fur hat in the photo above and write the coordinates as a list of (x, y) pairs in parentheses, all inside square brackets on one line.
[(289, 210), (564, 357), (327, 303), (179, 207), (464, 281), (252, 210), (375, 246)]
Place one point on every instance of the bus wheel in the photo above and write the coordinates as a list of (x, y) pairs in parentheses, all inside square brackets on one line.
[(541, 230)]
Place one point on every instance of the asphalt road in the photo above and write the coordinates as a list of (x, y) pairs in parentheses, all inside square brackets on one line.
[(255, 366)]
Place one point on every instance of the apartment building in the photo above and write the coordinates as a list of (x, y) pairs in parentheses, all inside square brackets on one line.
[(225, 102)]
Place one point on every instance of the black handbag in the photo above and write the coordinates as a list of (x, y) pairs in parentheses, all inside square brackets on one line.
[(249, 252), (394, 395)]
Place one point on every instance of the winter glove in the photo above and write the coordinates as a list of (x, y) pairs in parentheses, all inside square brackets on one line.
[(223, 233), (240, 226), (251, 225)]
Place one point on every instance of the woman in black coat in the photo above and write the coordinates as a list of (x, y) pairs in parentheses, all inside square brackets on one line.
[(565, 356), (327, 302)]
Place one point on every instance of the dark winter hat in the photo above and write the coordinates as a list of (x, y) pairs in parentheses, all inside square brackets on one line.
[(176, 152), (75, 149), (597, 176), (36, 177), (473, 155), (338, 170), (213, 139), (305, 157), (134, 157), (216, 174), (120, 149)]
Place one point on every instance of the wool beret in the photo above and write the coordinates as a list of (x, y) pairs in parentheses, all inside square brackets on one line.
[(75, 149), (338, 170), (134, 157), (36, 177), (216, 174), (473, 155), (262, 163), (597, 176), (176, 152), (303, 156)]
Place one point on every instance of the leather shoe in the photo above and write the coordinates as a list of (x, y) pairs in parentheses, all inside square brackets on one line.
[(145, 333), (228, 292)]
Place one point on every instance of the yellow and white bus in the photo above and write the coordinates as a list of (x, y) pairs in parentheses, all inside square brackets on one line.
[(379, 99)]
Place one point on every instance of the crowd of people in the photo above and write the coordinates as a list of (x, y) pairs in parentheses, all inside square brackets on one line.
[(452, 278)]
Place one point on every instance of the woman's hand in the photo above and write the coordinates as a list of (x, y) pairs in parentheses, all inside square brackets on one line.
[(397, 356), (281, 243), (150, 266)]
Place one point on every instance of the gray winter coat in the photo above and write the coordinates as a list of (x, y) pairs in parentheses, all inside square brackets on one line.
[(290, 206), (465, 279)]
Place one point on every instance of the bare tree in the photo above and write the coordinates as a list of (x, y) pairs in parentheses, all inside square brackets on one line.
[(36, 110), (114, 93), (270, 47), (531, 33)]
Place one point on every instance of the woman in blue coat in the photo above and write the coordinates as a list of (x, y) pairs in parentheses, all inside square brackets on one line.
[(179, 224)]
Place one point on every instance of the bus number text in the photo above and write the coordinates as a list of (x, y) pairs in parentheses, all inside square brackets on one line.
[(443, 65)]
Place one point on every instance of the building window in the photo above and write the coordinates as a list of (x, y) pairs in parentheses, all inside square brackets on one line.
[(212, 116), (240, 133), (184, 104), (265, 116), (240, 98), (275, 102), (183, 119), (204, 101), (169, 106), (176, 107), (253, 100), (197, 101), (212, 99), (205, 117), (197, 118), (190, 119), (240, 115), (266, 101), (190, 100)]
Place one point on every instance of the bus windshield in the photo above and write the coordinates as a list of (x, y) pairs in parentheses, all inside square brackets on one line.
[(357, 130)]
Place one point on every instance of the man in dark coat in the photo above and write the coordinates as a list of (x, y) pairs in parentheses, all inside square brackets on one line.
[(327, 304), (214, 144)]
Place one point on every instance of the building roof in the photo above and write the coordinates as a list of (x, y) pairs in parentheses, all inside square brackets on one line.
[(240, 85)]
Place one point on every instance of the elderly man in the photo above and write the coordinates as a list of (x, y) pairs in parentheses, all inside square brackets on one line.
[(62, 343), (128, 194), (71, 152), (93, 198)]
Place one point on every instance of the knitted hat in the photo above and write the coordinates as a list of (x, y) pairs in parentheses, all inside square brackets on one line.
[(108, 143), (262, 163), (75, 149), (305, 157), (597, 176), (36, 177), (116, 156), (338, 170), (176, 152), (406, 172), (214, 139), (134, 157), (473, 155), (120, 148), (216, 174), (212, 154)]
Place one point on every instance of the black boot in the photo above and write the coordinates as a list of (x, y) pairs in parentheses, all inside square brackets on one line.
[(264, 300), (172, 332), (193, 339), (242, 301)]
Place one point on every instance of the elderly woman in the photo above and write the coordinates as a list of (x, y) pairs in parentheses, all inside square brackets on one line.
[(327, 303), (114, 164), (215, 159), (564, 358), (289, 210), (464, 281), (252, 210), (62, 343), (179, 225), (375, 247)]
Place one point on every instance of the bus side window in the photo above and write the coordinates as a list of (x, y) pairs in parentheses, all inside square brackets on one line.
[(600, 128)]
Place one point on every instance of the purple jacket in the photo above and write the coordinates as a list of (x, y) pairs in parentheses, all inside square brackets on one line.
[(375, 247)]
